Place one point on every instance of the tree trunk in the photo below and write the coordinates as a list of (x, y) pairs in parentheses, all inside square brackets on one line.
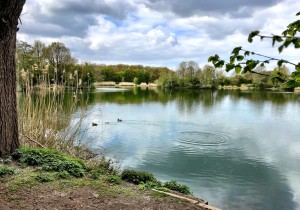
[(10, 11)]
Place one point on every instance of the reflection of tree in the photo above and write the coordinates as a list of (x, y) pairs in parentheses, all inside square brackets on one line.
[(187, 99)]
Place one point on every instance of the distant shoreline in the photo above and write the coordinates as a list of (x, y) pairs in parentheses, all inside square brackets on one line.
[(123, 84)]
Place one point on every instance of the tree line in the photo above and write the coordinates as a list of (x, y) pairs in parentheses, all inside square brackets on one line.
[(190, 75)]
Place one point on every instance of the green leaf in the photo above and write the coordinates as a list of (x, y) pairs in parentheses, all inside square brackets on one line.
[(232, 59), (236, 50), (280, 48), (219, 64), (251, 35), (240, 58), (211, 58), (238, 69), (278, 39), (229, 67), (280, 62), (297, 43), (247, 53), (287, 42)]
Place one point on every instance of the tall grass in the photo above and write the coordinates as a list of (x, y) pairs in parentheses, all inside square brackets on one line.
[(45, 119)]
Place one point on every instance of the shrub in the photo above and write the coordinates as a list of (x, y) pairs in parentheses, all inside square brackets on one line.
[(114, 180), (137, 177), (173, 185), (50, 160), (4, 170)]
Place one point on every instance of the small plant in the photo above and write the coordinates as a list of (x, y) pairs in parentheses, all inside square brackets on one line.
[(7, 160), (44, 177), (50, 160), (116, 180), (137, 177), (173, 185), (149, 185), (101, 167), (63, 175), (4, 170)]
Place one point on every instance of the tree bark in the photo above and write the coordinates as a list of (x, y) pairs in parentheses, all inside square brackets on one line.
[(10, 11)]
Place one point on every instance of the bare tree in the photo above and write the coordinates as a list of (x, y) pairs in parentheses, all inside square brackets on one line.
[(10, 11)]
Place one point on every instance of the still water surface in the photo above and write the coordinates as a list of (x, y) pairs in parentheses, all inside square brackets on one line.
[(238, 150)]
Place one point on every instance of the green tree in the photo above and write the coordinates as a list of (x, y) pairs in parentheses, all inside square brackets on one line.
[(58, 55), (241, 61)]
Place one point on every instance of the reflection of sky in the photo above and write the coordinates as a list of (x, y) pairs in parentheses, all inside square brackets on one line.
[(235, 153)]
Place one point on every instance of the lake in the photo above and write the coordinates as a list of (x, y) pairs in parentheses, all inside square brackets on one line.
[(235, 149)]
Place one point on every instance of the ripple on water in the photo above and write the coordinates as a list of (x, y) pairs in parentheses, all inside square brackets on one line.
[(202, 138)]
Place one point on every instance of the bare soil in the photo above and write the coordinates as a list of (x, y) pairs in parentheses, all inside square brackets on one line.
[(54, 196)]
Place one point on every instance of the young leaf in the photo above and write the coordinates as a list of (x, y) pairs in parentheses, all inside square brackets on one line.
[(280, 62), (238, 69), (240, 58), (229, 67), (278, 39), (236, 50), (280, 48), (247, 53), (251, 35)]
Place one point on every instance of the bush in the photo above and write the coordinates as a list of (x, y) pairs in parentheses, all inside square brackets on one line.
[(50, 160), (173, 185), (114, 180), (4, 170), (137, 177)]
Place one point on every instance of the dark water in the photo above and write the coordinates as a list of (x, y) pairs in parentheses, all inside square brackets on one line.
[(238, 150)]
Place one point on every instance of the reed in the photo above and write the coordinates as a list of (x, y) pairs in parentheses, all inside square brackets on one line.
[(45, 120)]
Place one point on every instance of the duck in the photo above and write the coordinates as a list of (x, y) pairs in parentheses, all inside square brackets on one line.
[(94, 124), (119, 120)]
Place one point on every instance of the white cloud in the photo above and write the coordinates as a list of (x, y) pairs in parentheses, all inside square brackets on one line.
[(135, 31)]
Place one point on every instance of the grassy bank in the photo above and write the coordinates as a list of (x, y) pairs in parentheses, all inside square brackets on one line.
[(48, 179)]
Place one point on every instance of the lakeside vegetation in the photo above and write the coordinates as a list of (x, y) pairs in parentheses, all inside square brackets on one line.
[(45, 66)]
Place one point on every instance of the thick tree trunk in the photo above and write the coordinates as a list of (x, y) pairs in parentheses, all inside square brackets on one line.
[(10, 11)]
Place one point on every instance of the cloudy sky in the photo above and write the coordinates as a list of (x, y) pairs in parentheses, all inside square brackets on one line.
[(155, 32)]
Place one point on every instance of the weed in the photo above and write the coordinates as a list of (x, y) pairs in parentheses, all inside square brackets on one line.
[(173, 185), (149, 185), (4, 170), (116, 180), (50, 160), (63, 175), (44, 177), (137, 177)]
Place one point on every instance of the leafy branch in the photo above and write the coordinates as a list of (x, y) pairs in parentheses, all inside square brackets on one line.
[(240, 63)]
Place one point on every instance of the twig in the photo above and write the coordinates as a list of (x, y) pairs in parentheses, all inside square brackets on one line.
[(28, 138)]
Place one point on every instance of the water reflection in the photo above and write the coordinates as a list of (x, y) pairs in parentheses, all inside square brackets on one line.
[(228, 146), (238, 150)]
